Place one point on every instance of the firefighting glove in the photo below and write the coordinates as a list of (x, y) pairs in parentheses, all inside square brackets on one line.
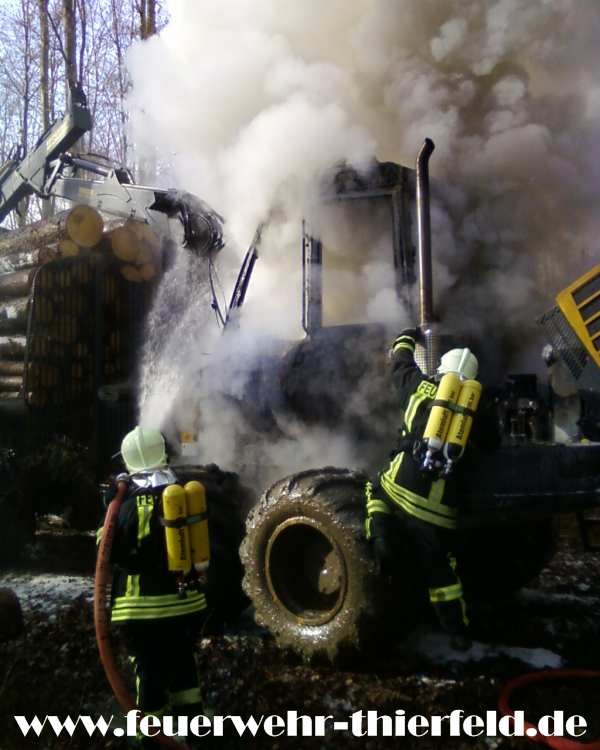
[(412, 332), (380, 535), (404, 338)]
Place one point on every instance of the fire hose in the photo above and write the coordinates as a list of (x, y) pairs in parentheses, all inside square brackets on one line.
[(532, 678), (101, 620)]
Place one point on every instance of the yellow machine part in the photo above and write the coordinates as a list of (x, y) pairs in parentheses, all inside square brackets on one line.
[(460, 426), (440, 417), (177, 539), (199, 542), (580, 304)]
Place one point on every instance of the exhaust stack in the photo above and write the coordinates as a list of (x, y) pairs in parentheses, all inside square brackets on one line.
[(424, 228), (428, 357)]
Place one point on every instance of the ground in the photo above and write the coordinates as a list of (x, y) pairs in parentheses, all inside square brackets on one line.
[(54, 668)]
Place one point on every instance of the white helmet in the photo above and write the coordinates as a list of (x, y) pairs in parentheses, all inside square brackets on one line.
[(143, 449), (461, 361)]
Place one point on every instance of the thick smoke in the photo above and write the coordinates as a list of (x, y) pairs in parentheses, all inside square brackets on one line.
[(248, 102)]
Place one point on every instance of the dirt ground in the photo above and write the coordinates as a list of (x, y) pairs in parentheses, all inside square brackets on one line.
[(54, 668)]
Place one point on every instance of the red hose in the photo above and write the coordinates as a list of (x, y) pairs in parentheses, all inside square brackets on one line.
[(556, 743), (101, 620)]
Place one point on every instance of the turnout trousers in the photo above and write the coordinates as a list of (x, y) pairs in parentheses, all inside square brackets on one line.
[(433, 550), (162, 652)]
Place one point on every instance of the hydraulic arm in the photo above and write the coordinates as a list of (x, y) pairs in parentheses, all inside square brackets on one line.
[(49, 170)]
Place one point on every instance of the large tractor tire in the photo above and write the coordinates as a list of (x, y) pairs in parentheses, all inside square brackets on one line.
[(228, 503), (309, 571), (496, 561)]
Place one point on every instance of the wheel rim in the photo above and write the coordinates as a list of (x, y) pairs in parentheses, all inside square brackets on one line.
[(305, 571)]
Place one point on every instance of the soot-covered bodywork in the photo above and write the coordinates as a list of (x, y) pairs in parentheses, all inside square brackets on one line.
[(304, 553)]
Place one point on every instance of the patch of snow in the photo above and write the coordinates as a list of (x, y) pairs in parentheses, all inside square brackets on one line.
[(537, 598), (47, 592), (436, 648)]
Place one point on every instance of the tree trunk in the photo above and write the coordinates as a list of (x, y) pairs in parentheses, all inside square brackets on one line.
[(44, 81), (150, 17), (30, 239), (70, 43), (13, 316), (11, 383), (143, 18), (23, 206), (28, 260), (12, 368), (147, 11), (44, 64), (12, 347), (15, 284)]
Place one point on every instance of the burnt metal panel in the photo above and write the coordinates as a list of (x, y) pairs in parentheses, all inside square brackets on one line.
[(312, 282)]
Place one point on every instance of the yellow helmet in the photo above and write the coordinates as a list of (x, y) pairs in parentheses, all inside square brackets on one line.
[(144, 449), (461, 361)]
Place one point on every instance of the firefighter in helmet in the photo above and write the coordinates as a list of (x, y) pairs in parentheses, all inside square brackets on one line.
[(158, 616), (417, 484)]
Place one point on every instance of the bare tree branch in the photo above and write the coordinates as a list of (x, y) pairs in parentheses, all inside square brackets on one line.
[(58, 38), (83, 24)]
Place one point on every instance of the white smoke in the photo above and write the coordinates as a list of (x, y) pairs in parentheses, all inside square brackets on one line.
[(250, 101)]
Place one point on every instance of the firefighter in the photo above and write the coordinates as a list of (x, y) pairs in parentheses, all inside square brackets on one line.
[(424, 500), (158, 619)]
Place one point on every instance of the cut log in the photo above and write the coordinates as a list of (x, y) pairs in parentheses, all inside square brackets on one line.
[(11, 368), (33, 237), (12, 347), (15, 284), (148, 271), (68, 249), (10, 383), (131, 273), (13, 316), (28, 259), (124, 244), (148, 244), (144, 233), (84, 226)]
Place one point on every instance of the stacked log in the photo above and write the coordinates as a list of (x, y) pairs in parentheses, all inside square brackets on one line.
[(56, 277), (12, 356), (137, 247)]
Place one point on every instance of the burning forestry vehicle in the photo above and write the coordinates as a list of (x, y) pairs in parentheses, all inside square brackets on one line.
[(308, 569), (75, 290), (75, 295)]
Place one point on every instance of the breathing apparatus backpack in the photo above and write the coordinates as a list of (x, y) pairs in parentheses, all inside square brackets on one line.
[(449, 424), (186, 529)]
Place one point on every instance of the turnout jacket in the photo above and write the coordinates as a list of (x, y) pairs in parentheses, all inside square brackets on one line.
[(404, 484), (143, 588)]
